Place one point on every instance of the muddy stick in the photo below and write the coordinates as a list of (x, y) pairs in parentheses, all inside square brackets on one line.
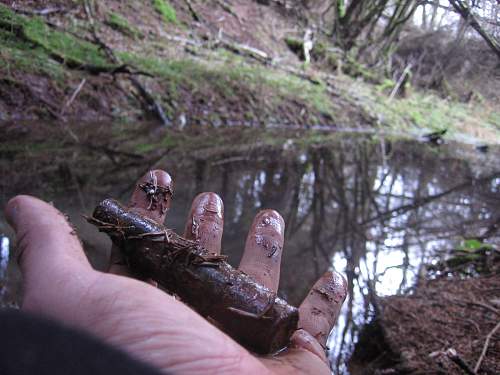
[(250, 313)]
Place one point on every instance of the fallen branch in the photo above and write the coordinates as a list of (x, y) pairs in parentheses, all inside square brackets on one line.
[(193, 12), (42, 12), (243, 49), (485, 347), (401, 79), (152, 104)]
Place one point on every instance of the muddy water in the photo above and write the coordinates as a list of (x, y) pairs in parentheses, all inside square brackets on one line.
[(374, 209)]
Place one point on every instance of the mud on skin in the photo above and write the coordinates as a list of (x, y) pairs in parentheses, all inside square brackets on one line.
[(250, 313)]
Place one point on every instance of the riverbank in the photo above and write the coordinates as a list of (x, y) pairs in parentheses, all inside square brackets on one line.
[(208, 64)]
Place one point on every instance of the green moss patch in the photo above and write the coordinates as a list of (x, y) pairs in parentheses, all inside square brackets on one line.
[(232, 80), (121, 24), (165, 10), (62, 46)]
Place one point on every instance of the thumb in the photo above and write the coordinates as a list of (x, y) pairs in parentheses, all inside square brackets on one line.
[(49, 254)]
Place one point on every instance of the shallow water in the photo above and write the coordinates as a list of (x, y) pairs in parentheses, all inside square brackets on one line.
[(374, 209)]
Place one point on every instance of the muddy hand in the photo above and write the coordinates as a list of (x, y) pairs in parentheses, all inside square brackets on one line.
[(148, 323)]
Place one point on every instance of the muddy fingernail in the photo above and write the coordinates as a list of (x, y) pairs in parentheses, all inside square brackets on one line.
[(205, 221), (268, 231), (153, 194), (264, 246)]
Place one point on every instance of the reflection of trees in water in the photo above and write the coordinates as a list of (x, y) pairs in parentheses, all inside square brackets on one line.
[(341, 202), (345, 206)]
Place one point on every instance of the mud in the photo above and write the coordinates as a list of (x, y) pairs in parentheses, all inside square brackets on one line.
[(246, 310)]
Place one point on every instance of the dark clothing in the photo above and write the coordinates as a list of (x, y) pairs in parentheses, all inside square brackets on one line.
[(33, 345)]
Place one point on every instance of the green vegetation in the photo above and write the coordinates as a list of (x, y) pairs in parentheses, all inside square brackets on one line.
[(165, 10), (228, 79), (62, 46), (19, 54), (295, 45), (425, 112), (122, 25)]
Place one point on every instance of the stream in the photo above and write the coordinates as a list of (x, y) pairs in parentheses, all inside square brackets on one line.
[(376, 209)]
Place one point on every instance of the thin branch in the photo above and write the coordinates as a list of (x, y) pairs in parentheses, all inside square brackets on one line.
[(193, 12), (485, 347), (73, 97)]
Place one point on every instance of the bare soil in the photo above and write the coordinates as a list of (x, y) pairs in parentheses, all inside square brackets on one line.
[(413, 334)]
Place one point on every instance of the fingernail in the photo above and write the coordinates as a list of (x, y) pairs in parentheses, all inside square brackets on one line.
[(269, 219), (12, 212), (207, 204), (153, 194), (268, 232), (207, 212), (334, 286)]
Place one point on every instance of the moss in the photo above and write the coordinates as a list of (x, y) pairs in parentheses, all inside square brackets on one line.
[(227, 79), (319, 51), (144, 148), (494, 119), (385, 86), (21, 55), (70, 49), (165, 10), (355, 69), (121, 24), (65, 47)]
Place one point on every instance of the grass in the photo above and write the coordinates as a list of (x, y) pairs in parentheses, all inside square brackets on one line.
[(424, 112), (228, 78), (121, 24), (165, 10)]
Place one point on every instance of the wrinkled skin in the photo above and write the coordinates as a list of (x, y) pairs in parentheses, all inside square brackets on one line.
[(146, 322)]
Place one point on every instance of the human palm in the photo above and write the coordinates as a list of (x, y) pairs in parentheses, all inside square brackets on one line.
[(148, 323)]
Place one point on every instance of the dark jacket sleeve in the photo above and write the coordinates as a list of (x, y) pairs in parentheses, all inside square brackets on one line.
[(30, 344)]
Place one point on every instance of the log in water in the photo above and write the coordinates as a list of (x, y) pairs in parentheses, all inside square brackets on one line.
[(249, 312)]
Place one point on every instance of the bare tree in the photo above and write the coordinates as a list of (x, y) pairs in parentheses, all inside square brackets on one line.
[(465, 12)]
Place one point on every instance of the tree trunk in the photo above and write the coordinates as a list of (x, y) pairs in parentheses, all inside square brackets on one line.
[(465, 12)]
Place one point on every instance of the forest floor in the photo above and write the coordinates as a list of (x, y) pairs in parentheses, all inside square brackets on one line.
[(448, 325), (217, 63)]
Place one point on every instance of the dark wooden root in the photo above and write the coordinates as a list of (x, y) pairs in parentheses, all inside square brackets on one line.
[(249, 312)]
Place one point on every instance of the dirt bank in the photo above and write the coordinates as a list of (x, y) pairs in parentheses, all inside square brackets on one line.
[(448, 326), (212, 63)]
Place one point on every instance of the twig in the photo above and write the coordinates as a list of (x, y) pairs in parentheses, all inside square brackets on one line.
[(227, 8), (455, 358), (73, 97), (193, 12), (485, 347), (401, 79)]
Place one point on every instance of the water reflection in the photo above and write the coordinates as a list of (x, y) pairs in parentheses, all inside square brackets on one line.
[(374, 213)]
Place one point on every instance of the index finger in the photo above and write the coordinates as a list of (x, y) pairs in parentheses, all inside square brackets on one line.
[(151, 198)]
